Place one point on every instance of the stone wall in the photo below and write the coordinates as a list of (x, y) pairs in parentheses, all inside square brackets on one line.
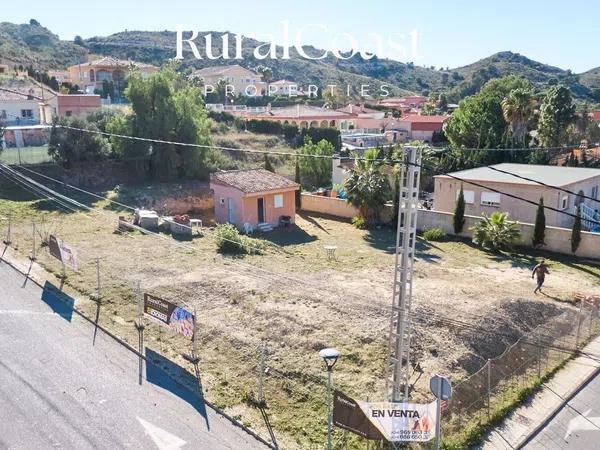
[(557, 239)]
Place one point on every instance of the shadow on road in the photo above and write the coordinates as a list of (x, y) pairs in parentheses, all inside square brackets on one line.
[(58, 301), (163, 372)]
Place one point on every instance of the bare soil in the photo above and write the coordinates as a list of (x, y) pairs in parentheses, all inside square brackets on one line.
[(297, 301)]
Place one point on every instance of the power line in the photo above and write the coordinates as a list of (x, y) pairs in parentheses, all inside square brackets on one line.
[(165, 237), (542, 183)]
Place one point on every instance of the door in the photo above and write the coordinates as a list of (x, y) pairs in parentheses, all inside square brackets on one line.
[(231, 210), (261, 210)]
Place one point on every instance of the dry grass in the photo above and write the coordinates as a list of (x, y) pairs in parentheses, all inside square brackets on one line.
[(298, 301)]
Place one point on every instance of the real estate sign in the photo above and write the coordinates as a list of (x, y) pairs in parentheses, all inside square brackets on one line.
[(63, 252), (394, 422), (173, 316)]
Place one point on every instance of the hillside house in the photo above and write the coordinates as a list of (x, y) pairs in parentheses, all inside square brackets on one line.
[(284, 87), (256, 197), (91, 75), (241, 80), (306, 116), (583, 181), (417, 127)]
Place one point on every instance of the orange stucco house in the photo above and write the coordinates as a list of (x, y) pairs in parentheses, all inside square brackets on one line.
[(256, 197)]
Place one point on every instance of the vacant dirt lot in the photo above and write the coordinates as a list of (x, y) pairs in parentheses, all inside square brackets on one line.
[(297, 301)]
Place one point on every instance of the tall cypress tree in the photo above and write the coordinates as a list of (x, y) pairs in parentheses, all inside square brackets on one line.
[(268, 165), (539, 232), (459, 212), (576, 231)]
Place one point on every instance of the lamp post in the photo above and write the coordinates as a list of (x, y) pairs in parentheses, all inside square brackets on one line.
[(330, 356)]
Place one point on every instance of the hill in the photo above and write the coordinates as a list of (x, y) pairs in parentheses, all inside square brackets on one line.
[(539, 74), (32, 44)]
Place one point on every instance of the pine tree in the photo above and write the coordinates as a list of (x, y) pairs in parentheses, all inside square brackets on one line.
[(539, 232), (298, 180), (459, 212), (576, 231), (268, 165)]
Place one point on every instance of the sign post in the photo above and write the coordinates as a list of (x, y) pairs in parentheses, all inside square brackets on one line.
[(441, 388), (32, 257), (7, 238), (139, 325)]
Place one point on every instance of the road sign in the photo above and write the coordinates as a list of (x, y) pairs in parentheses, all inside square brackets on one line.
[(440, 387)]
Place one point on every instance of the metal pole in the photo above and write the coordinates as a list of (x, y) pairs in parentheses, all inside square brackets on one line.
[(7, 240), (140, 327), (98, 280), (261, 374), (329, 412), (438, 416), (579, 315), (33, 245), (19, 152), (489, 385), (400, 327)]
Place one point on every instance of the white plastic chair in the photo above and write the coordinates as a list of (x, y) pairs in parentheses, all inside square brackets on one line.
[(248, 228)]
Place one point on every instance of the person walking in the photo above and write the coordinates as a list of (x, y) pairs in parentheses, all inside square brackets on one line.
[(540, 271)]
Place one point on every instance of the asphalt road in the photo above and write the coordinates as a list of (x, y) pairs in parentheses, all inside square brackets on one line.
[(576, 426), (57, 390)]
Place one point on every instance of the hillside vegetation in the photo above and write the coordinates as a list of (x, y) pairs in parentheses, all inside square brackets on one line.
[(33, 44), (27, 44)]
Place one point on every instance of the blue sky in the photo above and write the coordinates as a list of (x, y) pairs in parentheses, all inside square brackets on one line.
[(449, 33)]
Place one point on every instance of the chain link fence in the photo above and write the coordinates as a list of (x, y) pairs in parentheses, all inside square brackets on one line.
[(504, 380)]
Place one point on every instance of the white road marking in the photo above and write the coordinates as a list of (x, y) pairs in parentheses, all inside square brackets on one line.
[(24, 312), (163, 439), (582, 423)]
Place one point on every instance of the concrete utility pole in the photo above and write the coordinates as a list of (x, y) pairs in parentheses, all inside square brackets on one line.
[(400, 327)]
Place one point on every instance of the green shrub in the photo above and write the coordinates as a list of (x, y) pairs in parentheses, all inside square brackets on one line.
[(434, 234), (359, 222), (230, 241)]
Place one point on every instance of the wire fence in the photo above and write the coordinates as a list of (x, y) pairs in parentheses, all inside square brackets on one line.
[(277, 391), (504, 380), (25, 155)]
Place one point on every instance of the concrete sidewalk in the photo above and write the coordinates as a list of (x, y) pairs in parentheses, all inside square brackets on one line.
[(527, 419)]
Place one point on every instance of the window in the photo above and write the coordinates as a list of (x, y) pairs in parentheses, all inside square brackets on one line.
[(68, 113), (564, 202), (469, 196), (278, 199), (26, 113), (490, 199), (222, 201)]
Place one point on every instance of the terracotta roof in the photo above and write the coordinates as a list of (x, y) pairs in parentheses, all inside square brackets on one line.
[(595, 115), (253, 180), (415, 118)]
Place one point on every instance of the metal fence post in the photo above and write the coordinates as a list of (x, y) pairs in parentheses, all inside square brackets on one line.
[(579, 315), (33, 244), (7, 238), (489, 385)]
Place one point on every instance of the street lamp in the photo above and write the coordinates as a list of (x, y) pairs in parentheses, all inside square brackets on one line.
[(330, 356)]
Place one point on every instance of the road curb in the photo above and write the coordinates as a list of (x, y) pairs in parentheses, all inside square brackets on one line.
[(137, 353), (567, 398)]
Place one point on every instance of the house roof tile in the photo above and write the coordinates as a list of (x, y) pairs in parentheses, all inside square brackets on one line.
[(253, 180)]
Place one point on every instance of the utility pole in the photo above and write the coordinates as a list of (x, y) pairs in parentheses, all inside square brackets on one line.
[(7, 240), (397, 383)]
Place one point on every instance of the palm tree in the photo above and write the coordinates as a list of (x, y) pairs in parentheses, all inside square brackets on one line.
[(495, 232), (368, 187), (517, 109)]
